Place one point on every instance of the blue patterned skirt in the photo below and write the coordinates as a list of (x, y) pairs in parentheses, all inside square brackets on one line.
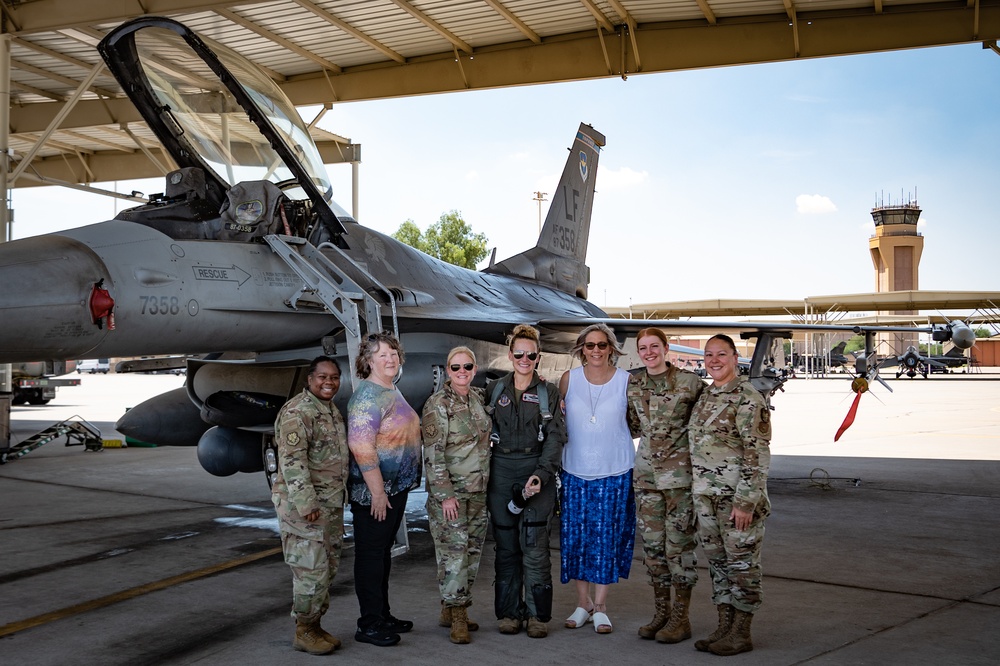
[(597, 528)]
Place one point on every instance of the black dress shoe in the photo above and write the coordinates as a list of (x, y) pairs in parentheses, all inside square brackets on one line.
[(395, 625), (377, 634)]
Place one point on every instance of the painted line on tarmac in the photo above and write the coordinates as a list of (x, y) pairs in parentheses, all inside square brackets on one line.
[(125, 595)]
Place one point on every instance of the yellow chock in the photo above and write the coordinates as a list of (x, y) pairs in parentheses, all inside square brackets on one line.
[(115, 444)]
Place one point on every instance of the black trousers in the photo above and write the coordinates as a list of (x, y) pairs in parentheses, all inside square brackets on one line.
[(373, 541)]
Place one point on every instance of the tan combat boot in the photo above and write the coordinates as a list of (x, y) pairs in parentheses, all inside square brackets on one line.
[(537, 628), (445, 619), (509, 625), (661, 605), (459, 626), (678, 627), (309, 639), (330, 638), (738, 639), (725, 623)]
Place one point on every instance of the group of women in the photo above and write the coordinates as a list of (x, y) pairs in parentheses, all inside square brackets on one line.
[(499, 453)]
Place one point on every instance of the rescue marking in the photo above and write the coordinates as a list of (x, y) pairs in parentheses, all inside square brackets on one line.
[(221, 274)]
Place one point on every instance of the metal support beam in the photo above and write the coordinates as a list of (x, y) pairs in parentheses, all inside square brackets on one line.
[(54, 125)]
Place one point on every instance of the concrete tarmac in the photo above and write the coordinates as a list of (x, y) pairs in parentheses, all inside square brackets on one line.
[(882, 549)]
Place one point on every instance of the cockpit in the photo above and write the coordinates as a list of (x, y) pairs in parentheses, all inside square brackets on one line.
[(246, 165)]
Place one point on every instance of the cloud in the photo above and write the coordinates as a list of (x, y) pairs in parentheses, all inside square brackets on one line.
[(620, 179), (472, 176), (814, 204)]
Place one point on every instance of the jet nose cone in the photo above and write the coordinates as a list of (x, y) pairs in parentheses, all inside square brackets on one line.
[(46, 283), (963, 336)]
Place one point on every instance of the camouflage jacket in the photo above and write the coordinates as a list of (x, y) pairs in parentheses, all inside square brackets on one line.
[(456, 443), (729, 432), (658, 411), (312, 453)]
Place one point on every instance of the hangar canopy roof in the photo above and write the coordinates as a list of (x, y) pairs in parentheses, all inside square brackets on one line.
[(326, 51), (889, 301)]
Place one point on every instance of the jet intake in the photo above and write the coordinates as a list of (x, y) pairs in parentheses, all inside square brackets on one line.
[(224, 451)]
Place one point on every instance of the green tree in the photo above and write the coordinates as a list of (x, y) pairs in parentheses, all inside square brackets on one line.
[(449, 239), (857, 343), (983, 332)]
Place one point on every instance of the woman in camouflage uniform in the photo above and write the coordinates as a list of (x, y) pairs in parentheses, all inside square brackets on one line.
[(308, 496), (660, 399), (729, 433), (457, 460)]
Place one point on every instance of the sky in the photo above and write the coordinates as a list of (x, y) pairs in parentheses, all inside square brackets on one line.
[(754, 181)]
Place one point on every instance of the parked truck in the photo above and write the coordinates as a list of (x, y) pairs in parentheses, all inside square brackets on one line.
[(36, 383)]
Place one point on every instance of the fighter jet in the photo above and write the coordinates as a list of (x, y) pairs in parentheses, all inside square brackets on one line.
[(246, 261), (913, 362)]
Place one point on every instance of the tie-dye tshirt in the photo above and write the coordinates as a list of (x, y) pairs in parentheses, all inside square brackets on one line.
[(382, 431)]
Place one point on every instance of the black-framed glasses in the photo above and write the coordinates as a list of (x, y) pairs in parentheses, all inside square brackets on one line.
[(521, 354), (455, 367), (600, 345)]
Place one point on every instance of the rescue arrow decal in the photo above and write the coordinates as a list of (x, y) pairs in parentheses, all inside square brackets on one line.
[(221, 274)]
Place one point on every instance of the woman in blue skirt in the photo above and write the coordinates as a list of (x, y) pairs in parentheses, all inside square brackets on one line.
[(597, 523)]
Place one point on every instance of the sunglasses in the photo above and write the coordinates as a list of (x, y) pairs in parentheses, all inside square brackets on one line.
[(600, 345), (520, 354), (455, 367)]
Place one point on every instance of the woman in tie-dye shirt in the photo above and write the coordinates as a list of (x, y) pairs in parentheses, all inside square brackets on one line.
[(383, 433)]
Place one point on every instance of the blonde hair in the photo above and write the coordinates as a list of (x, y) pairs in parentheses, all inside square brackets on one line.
[(460, 350), (524, 332), (616, 349)]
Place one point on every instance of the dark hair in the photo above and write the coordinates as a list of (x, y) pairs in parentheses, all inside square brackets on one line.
[(369, 345), (323, 359), (722, 337), (655, 332), (616, 349)]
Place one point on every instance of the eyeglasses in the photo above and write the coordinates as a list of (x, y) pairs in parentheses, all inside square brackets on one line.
[(521, 354), (600, 345), (468, 367)]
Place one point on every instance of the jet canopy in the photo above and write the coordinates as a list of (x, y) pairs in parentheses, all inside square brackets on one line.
[(213, 109)]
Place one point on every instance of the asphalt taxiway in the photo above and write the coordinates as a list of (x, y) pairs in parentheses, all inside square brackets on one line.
[(882, 548)]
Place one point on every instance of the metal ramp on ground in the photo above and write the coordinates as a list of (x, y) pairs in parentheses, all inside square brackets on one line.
[(78, 432)]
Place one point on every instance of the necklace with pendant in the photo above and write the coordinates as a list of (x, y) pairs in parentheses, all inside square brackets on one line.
[(594, 403)]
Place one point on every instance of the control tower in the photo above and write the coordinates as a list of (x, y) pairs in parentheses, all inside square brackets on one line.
[(895, 249)]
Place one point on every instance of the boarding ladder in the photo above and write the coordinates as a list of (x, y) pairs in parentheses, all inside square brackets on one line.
[(77, 432), (342, 296), (339, 293)]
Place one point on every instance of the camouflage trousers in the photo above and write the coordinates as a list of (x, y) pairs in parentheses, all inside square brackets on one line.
[(733, 555), (312, 550), (669, 535), (458, 545)]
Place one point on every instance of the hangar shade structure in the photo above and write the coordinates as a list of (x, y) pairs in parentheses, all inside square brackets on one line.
[(70, 122)]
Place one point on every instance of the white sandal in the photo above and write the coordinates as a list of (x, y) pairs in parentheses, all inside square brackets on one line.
[(580, 617), (602, 624)]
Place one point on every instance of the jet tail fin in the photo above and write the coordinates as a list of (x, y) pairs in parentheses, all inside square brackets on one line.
[(559, 258)]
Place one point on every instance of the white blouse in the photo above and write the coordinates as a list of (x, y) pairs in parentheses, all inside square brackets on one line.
[(599, 443)]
